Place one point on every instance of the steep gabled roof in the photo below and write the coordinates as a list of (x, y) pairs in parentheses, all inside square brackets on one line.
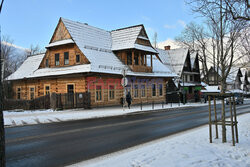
[(193, 58), (234, 72), (125, 38), (175, 58), (95, 43)]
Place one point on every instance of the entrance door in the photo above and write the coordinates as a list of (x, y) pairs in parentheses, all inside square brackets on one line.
[(70, 95)]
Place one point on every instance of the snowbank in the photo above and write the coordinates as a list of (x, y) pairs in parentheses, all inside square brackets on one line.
[(190, 148), (46, 116)]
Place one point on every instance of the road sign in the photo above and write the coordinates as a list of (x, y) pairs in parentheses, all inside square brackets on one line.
[(124, 81)]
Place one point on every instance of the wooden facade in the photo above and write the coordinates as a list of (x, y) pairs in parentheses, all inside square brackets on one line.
[(105, 89)]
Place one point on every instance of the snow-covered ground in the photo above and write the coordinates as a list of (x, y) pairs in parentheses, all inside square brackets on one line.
[(18, 118), (190, 148)]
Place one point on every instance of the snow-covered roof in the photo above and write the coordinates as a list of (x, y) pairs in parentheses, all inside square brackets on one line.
[(174, 57), (125, 39), (96, 45), (235, 91), (211, 89), (233, 74), (192, 59), (61, 42), (27, 68)]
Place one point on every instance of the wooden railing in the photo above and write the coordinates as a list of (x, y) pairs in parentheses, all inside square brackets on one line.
[(138, 68)]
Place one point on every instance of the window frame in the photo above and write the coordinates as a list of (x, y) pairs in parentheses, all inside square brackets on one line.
[(66, 61), (135, 91), (57, 61), (18, 92), (47, 62), (32, 91), (145, 90), (160, 94), (78, 62), (101, 100), (152, 94), (45, 91), (109, 92), (74, 86)]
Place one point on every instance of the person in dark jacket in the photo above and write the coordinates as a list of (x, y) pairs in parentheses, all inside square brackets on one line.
[(128, 99)]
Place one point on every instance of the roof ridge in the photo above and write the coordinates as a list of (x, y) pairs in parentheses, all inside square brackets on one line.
[(86, 24), (127, 27)]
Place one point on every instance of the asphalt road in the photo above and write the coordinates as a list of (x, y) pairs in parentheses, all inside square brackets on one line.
[(65, 143)]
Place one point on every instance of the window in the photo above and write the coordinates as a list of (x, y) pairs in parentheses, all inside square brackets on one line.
[(191, 78), (143, 91), (153, 90), (47, 63), (46, 89), (129, 58), (18, 93), (57, 62), (160, 89), (77, 58), (98, 93), (135, 90), (66, 58), (186, 78), (70, 88), (136, 61), (111, 92), (32, 93)]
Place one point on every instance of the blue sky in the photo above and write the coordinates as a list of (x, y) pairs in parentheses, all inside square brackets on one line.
[(33, 21)]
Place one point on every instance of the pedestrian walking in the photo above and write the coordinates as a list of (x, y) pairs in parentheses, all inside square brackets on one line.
[(128, 99)]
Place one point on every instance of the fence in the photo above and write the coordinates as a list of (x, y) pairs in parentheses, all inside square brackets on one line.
[(172, 97), (42, 102), (73, 100), (54, 101)]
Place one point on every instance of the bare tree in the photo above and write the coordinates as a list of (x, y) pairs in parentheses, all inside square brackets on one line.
[(196, 38), (34, 49), (227, 31)]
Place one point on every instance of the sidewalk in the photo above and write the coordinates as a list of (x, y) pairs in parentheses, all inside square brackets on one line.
[(19, 118)]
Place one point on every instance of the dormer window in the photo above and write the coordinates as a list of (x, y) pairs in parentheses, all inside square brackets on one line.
[(77, 58), (66, 58), (57, 62), (47, 63)]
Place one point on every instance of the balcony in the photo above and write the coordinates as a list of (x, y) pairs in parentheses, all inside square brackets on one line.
[(139, 68)]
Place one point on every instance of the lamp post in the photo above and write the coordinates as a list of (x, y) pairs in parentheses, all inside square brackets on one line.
[(124, 83)]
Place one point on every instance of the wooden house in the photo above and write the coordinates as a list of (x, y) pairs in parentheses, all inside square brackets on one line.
[(186, 66), (83, 58), (214, 77), (233, 80)]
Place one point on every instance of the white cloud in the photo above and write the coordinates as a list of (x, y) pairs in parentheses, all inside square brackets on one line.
[(169, 26), (182, 23)]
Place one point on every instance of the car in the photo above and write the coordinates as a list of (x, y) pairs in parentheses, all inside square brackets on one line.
[(239, 99)]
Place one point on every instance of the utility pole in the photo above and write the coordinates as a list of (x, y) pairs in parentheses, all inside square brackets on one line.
[(2, 135)]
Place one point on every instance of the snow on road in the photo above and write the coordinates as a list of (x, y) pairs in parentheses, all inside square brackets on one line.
[(190, 148), (12, 118)]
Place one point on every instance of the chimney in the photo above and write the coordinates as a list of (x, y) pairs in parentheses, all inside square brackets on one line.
[(167, 47)]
